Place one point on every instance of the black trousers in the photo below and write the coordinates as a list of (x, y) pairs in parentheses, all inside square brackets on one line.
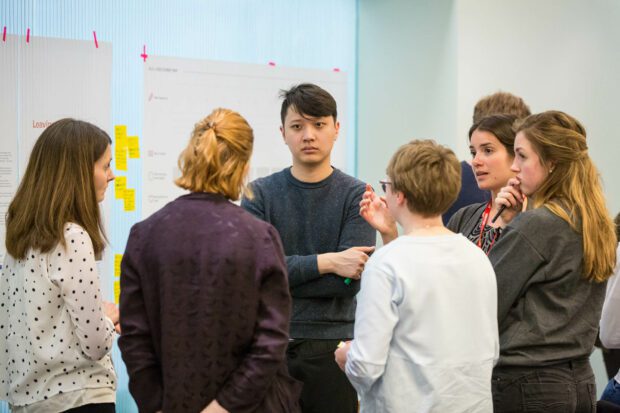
[(326, 387), (93, 408), (567, 387)]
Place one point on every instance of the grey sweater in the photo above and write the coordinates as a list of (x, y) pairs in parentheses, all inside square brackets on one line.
[(312, 219), (465, 219), (547, 312)]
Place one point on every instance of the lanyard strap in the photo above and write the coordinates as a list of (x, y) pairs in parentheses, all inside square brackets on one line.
[(483, 224)]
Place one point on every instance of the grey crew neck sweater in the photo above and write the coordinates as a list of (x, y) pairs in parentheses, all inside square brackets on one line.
[(548, 313), (315, 218)]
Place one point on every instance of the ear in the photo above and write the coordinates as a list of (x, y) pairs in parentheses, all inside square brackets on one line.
[(400, 198), (337, 127), (550, 166), (283, 135)]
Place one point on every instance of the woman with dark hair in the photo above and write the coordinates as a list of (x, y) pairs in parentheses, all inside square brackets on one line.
[(205, 304), (491, 142), (56, 333), (551, 263)]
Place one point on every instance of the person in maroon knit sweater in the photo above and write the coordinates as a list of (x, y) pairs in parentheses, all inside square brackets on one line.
[(205, 303)]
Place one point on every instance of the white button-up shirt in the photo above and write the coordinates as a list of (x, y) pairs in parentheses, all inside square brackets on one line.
[(610, 317), (426, 337)]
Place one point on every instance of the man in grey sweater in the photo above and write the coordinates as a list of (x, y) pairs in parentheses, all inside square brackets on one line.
[(315, 208)]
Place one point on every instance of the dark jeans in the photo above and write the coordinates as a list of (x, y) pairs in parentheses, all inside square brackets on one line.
[(567, 387), (612, 392), (611, 358), (326, 387), (93, 408)]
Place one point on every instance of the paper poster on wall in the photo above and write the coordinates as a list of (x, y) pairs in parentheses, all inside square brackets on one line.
[(180, 92), (8, 120), (51, 79)]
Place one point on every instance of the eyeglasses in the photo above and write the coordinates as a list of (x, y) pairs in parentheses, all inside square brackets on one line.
[(384, 185)]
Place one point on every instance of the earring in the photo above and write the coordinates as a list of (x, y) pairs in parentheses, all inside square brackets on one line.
[(550, 170)]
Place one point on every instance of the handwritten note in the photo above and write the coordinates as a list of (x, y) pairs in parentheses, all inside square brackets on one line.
[(130, 200)]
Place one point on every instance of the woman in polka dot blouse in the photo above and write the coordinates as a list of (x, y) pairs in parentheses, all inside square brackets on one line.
[(55, 331)]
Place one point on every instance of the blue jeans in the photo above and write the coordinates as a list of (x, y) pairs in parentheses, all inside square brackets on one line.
[(612, 392)]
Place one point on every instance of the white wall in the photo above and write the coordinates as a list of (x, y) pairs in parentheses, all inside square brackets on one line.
[(406, 79), (556, 54)]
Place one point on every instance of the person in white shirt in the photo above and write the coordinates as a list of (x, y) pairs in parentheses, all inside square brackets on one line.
[(56, 333), (426, 336), (610, 322)]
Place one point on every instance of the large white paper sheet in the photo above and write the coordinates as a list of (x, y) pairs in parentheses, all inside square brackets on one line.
[(48, 79), (179, 92), (8, 136)]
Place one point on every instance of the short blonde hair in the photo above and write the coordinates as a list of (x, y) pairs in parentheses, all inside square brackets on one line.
[(217, 156), (428, 174)]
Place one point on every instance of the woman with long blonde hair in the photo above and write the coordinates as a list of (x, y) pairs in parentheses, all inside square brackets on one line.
[(551, 264)]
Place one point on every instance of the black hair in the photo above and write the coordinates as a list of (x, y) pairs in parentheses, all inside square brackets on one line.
[(308, 100)]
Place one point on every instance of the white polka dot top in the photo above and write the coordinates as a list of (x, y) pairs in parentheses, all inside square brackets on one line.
[(54, 336)]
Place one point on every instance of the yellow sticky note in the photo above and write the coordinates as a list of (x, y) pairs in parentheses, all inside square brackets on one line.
[(129, 197), (120, 184), (134, 147), (117, 264), (117, 291), (120, 147), (120, 131), (120, 153)]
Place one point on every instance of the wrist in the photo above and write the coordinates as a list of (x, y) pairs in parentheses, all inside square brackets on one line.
[(325, 263)]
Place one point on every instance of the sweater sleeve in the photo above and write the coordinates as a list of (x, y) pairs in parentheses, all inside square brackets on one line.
[(610, 317), (515, 261), (301, 268), (303, 271), (74, 271), (247, 385), (136, 343), (355, 232), (375, 319)]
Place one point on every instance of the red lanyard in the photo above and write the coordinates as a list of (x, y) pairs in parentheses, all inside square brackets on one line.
[(485, 219)]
